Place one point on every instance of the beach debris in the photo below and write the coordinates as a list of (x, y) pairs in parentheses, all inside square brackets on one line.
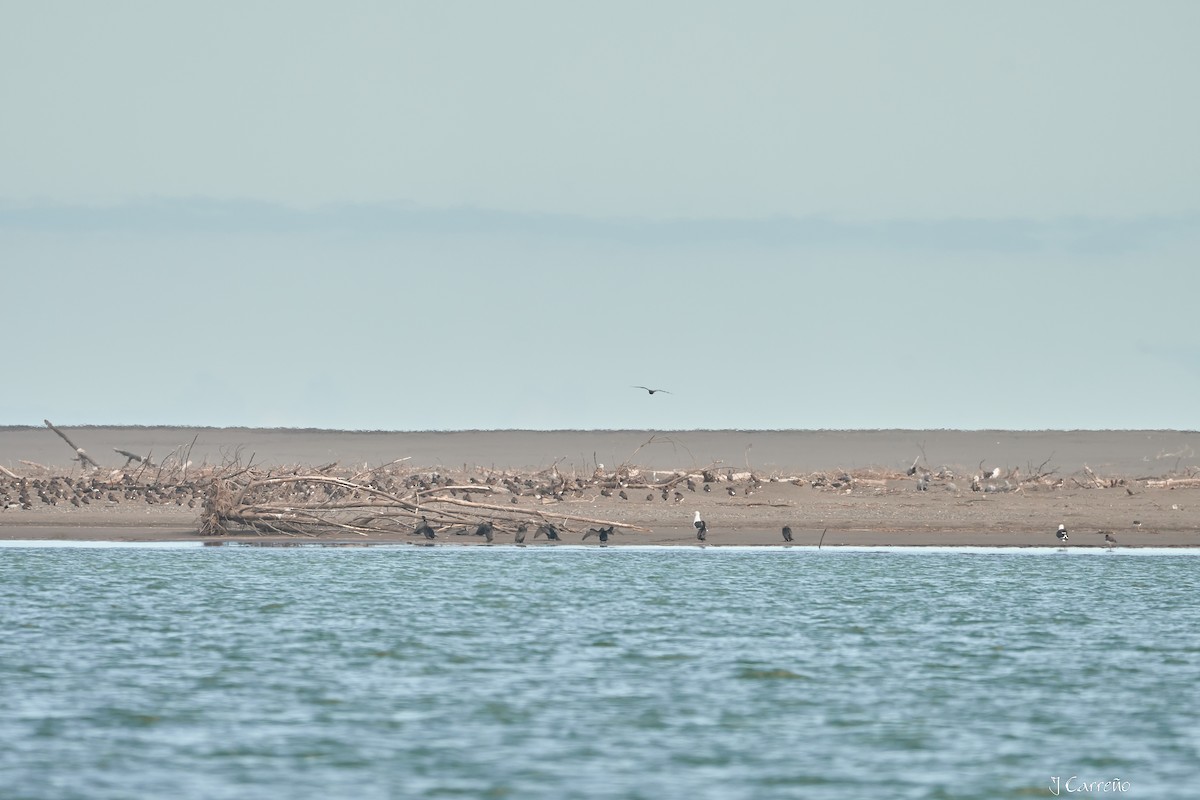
[(80, 454), (388, 499)]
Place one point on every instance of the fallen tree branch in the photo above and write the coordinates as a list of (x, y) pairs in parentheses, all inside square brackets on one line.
[(81, 456)]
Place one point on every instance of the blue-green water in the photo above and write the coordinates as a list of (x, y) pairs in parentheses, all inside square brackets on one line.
[(594, 673)]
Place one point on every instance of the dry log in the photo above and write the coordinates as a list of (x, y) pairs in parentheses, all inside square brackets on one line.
[(134, 457), (9, 473), (311, 502), (1174, 483), (83, 458)]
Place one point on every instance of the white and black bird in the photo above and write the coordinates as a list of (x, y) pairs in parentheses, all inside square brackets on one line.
[(1062, 533), (700, 526), (787, 533), (651, 391)]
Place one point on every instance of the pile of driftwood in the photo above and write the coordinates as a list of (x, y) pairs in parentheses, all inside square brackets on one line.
[(396, 499)]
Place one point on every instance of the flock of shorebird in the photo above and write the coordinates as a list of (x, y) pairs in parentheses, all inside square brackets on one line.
[(488, 532)]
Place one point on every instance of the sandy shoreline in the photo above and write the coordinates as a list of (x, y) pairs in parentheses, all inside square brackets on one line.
[(1088, 493)]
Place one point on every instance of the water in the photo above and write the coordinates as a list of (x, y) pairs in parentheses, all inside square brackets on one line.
[(219, 672)]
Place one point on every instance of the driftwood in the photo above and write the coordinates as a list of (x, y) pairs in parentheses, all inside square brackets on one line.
[(132, 457), (9, 473), (387, 499), (1174, 483), (83, 458)]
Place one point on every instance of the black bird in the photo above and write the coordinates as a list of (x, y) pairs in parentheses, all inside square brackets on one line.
[(425, 529), (601, 532), (549, 531), (700, 526), (485, 530), (520, 537), (621, 494), (651, 391), (787, 533), (1062, 533)]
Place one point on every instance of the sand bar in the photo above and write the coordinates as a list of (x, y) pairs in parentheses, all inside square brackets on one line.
[(1145, 477)]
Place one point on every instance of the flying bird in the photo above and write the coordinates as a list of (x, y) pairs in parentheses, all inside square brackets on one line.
[(651, 391), (1062, 533), (700, 526)]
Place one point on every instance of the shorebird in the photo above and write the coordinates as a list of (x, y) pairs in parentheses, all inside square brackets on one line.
[(425, 529), (787, 533), (548, 530), (601, 532), (1062, 533), (1109, 539), (485, 530), (700, 526), (651, 391)]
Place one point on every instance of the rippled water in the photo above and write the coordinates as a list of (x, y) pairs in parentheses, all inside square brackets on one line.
[(627, 673)]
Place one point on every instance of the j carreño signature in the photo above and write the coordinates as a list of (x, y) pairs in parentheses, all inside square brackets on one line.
[(1075, 784)]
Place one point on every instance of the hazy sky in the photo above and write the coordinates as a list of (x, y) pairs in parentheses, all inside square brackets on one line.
[(495, 215)]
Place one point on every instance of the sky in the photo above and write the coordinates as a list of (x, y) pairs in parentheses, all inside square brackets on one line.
[(469, 215)]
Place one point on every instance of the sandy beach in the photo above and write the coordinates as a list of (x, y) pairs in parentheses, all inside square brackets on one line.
[(1140, 486)]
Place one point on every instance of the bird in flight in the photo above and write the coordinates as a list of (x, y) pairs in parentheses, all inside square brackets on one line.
[(651, 391)]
